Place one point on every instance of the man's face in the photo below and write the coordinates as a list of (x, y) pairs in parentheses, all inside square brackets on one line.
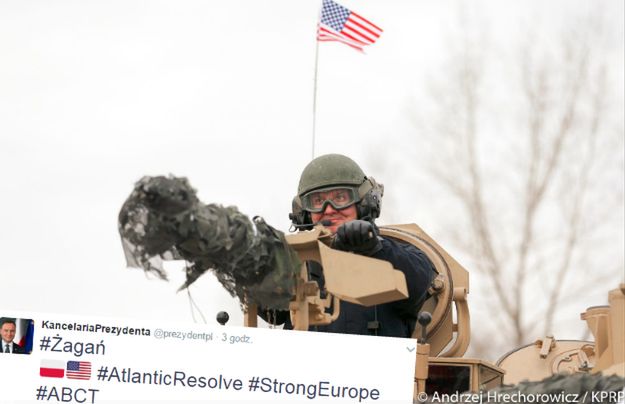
[(7, 332), (335, 217)]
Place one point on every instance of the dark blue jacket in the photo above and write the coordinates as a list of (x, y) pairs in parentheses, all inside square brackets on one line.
[(395, 319)]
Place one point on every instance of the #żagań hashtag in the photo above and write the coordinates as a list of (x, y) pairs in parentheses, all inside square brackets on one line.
[(253, 383), (41, 392), (103, 372), (44, 344)]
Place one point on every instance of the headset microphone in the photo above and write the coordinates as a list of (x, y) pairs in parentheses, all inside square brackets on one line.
[(321, 222)]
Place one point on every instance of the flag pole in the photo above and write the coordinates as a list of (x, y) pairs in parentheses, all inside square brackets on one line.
[(314, 109), (314, 122)]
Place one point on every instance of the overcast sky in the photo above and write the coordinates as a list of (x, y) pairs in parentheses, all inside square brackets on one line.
[(96, 94)]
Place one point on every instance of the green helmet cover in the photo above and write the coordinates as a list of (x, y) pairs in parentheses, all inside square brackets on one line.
[(329, 170), (334, 170)]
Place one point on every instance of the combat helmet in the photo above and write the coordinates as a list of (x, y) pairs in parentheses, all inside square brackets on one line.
[(336, 171)]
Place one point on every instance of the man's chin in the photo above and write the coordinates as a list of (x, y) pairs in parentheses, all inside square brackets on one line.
[(333, 224)]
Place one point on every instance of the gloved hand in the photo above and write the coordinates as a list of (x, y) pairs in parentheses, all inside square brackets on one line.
[(359, 236)]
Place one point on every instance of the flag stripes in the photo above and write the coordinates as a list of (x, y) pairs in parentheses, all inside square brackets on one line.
[(340, 24), (79, 370)]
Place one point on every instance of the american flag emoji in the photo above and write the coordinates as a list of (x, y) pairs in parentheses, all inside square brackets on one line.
[(78, 370)]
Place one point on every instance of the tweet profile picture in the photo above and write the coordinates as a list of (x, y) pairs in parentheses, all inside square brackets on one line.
[(16, 335)]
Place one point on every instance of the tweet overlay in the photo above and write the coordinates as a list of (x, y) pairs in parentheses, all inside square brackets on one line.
[(72, 359)]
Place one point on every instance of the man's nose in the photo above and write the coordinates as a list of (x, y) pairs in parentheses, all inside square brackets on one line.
[(329, 209)]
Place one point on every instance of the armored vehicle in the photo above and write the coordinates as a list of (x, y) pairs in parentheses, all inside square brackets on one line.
[(164, 219)]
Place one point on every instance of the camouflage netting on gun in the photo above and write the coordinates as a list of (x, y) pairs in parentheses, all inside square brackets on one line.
[(163, 219)]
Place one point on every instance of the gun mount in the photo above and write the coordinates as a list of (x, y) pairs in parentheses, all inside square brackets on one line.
[(384, 284)]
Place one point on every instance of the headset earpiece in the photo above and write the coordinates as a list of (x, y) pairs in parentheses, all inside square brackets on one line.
[(370, 206), (299, 217)]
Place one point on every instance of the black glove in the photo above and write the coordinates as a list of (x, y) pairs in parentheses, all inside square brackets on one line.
[(359, 236)]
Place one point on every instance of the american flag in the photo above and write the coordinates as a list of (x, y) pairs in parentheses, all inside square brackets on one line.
[(343, 25), (78, 370)]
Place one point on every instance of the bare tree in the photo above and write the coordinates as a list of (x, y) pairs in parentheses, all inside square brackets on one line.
[(523, 162)]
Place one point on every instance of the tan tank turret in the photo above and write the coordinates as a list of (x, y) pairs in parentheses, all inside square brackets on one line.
[(440, 365), (548, 356)]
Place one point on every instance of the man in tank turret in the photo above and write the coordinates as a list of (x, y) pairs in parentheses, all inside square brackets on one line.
[(334, 191)]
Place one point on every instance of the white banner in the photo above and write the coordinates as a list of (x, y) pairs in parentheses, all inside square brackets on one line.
[(98, 360)]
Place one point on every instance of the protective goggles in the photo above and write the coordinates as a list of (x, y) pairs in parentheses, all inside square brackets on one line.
[(340, 198)]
